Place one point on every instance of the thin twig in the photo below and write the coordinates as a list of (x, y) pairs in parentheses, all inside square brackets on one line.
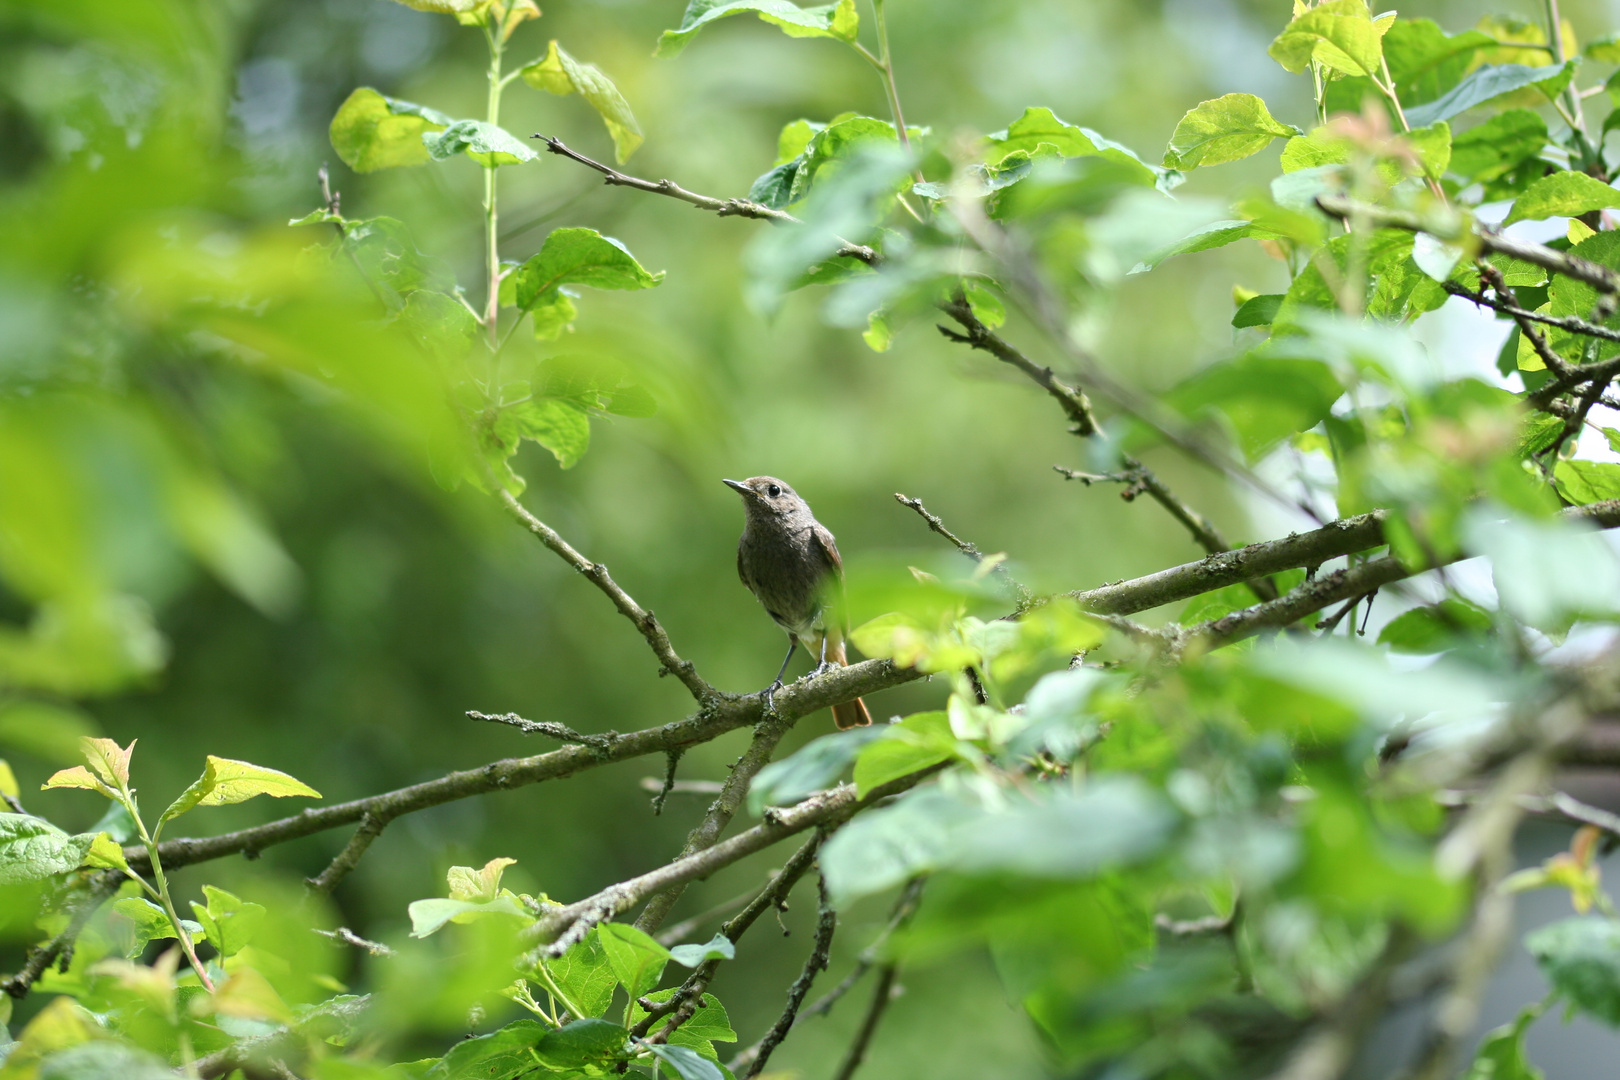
[(560, 732), (344, 936), (720, 812), (41, 957), (1569, 323), (965, 547), (371, 827), (646, 625), (882, 994), (652, 785), (672, 761), (820, 956)]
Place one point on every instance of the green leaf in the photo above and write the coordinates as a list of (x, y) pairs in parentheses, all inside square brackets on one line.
[(578, 257), (1215, 234), (224, 782), (1583, 482), (1502, 143), (791, 181), (500, 1055), (1487, 83), (709, 1023), (838, 21), (559, 426), (151, 923), (32, 849), (105, 854), (1547, 572), (1581, 958), (583, 1044), (372, 132), (1258, 310), (887, 846), (718, 947), (920, 740), (1435, 628), (231, 922), (1265, 398), (430, 915), (1339, 34), (1223, 129), (1562, 194), (1114, 820), (480, 140), (585, 974), (1501, 1053), (558, 73), (1040, 127), (100, 1059), (814, 766), (685, 1062), (1605, 50), (637, 959)]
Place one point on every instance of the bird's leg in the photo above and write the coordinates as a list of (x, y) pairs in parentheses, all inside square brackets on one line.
[(770, 691), (823, 666)]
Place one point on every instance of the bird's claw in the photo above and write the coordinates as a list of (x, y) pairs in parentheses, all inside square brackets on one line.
[(823, 668), (770, 696)]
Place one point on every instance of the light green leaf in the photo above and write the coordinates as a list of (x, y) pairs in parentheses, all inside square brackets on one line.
[(1501, 1053), (1339, 34), (151, 923), (709, 1023), (479, 885), (920, 740), (840, 139), (480, 140), (225, 781), (77, 777), (1491, 81), (559, 426), (838, 20), (1223, 129), (577, 257), (1040, 127), (372, 132), (1547, 572), (1581, 958), (1436, 627), (100, 1059), (809, 769), (32, 849), (637, 959), (1583, 482), (230, 921), (718, 947), (558, 73), (685, 1062), (1215, 234), (1605, 50), (105, 854), (1562, 194), (44, 729), (430, 915)]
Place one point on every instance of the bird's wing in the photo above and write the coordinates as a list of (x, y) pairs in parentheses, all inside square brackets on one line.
[(741, 573), (834, 565)]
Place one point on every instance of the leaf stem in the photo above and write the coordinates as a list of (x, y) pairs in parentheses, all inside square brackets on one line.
[(127, 797), (544, 973)]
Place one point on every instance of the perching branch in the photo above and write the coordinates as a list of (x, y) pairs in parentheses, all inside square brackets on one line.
[(725, 713), (646, 625)]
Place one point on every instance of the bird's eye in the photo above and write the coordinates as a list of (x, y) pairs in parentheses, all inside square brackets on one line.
[(775, 491)]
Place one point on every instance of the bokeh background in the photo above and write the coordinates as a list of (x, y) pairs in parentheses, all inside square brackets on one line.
[(411, 605)]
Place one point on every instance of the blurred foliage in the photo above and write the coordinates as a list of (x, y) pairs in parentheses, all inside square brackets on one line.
[(254, 429)]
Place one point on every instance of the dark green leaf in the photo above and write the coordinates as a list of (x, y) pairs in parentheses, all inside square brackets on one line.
[(1258, 310), (1223, 129), (580, 1044), (372, 132), (1435, 628), (480, 140), (1491, 81), (1499, 145), (561, 74), (814, 766), (32, 849), (1581, 958), (500, 1055), (585, 975), (838, 20), (637, 959), (844, 136)]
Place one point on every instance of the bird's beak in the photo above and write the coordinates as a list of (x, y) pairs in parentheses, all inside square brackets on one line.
[(738, 486)]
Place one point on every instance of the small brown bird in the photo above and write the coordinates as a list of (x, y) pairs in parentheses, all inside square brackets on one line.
[(789, 560)]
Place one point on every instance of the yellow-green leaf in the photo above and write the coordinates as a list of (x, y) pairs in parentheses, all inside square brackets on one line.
[(1224, 129), (225, 781), (1562, 194), (105, 854), (558, 73), (838, 20), (372, 132), (1338, 34)]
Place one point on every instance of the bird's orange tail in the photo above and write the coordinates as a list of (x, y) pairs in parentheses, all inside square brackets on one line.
[(848, 714)]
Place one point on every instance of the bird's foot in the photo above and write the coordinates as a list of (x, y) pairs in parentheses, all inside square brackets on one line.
[(822, 669), (770, 696)]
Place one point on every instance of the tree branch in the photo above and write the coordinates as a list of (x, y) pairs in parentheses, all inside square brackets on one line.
[(725, 713), (966, 548), (43, 956), (720, 812), (820, 956), (597, 574), (560, 732), (371, 827), (882, 994), (559, 928)]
